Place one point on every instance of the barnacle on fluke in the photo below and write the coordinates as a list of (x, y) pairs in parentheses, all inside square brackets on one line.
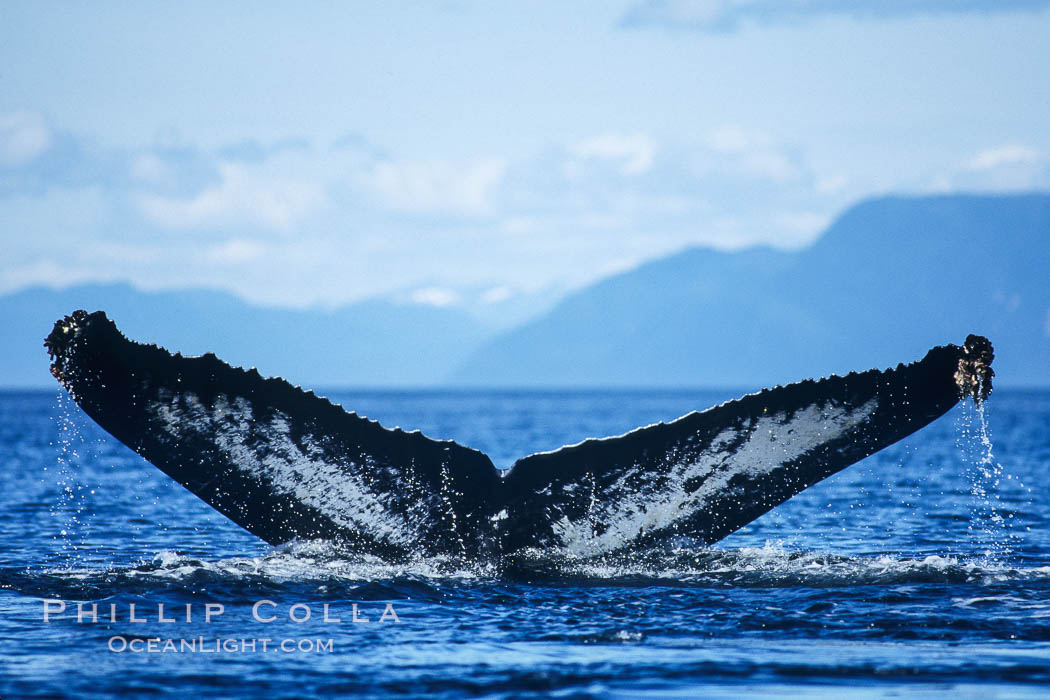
[(285, 463), (974, 372)]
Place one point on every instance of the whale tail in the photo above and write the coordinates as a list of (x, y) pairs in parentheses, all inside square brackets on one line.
[(284, 463)]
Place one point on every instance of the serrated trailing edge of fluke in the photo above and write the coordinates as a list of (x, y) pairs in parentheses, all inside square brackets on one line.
[(973, 374), (285, 463), (71, 329)]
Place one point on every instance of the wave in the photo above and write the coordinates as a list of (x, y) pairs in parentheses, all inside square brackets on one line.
[(323, 568)]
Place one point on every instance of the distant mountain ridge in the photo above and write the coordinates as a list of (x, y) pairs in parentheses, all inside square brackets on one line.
[(371, 343), (890, 278)]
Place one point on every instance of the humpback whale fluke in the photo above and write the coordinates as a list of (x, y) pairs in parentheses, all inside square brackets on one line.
[(284, 463)]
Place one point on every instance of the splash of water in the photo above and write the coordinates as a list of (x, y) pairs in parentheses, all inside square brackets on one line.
[(989, 527), (68, 508), (322, 566)]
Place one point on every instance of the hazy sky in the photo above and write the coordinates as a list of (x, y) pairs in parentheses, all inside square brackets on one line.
[(467, 152)]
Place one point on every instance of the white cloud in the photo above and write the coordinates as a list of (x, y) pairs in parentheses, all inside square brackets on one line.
[(747, 153), (241, 196), (632, 153), (831, 184), (1010, 167), (517, 225), (435, 296), (235, 251), (103, 262), (800, 228), (732, 138), (23, 137), (437, 187), (147, 167), (769, 164), (481, 228), (496, 295), (47, 272), (729, 15), (1003, 156)]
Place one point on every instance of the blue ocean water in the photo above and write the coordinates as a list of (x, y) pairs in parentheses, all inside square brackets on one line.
[(924, 570)]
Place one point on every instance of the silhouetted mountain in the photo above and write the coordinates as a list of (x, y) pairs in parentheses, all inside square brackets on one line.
[(889, 279), (371, 343)]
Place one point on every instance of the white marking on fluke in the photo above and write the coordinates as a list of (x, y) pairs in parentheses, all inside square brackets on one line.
[(297, 469), (772, 441)]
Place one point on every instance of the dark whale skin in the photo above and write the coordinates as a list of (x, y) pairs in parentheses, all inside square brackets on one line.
[(284, 463)]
